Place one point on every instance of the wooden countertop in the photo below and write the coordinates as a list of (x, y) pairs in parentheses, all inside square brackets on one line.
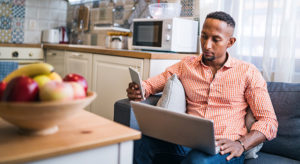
[(21, 45), (83, 131), (114, 52), (105, 51)]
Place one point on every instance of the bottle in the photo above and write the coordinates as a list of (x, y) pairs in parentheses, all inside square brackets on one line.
[(80, 33)]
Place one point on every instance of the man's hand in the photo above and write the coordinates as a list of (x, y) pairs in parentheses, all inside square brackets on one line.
[(228, 146), (133, 92)]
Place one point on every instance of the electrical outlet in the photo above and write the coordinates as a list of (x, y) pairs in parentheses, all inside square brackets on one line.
[(32, 24)]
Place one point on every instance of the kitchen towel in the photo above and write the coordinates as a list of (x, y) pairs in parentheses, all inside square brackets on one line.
[(6, 68)]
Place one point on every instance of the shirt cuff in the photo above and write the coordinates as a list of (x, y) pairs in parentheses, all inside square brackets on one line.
[(146, 89), (266, 127)]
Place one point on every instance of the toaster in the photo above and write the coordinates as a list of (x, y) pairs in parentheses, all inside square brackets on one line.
[(50, 36)]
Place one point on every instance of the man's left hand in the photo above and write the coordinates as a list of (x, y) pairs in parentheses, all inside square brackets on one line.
[(228, 146)]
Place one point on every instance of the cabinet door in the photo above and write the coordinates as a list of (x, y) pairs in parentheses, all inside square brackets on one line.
[(80, 63), (56, 58), (110, 80)]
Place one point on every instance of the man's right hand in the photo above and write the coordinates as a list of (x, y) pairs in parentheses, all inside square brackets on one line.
[(133, 92)]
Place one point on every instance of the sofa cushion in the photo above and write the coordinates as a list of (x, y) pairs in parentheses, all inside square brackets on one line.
[(265, 158), (123, 112), (286, 102), (173, 97)]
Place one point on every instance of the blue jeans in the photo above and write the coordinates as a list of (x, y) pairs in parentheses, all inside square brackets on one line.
[(153, 151)]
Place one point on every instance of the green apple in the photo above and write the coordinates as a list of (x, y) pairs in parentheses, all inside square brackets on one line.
[(41, 80)]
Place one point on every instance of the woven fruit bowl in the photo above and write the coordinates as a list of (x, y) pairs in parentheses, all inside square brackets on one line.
[(42, 118)]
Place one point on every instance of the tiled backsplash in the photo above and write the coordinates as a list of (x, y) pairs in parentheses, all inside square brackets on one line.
[(21, 21), (190, 8), (12, 15)]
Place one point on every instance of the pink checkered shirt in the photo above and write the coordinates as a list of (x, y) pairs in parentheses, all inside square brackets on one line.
[(225, 97)]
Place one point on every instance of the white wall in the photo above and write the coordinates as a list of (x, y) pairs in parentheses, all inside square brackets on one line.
[(43, 14)]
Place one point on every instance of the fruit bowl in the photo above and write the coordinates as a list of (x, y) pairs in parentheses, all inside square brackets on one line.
[(165, 10), (42, 118)]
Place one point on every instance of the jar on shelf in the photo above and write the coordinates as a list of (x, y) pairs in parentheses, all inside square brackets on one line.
[(117, 40)]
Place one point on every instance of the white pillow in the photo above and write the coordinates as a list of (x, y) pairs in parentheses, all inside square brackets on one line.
[(173, 97), (249, 120)]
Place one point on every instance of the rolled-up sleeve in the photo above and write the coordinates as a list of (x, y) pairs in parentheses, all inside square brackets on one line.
[(260, 103)]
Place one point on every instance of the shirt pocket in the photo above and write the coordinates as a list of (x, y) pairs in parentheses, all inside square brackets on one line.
[(233, 91)]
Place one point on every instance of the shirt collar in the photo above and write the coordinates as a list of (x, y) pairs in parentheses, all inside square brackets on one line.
[(228, 64)]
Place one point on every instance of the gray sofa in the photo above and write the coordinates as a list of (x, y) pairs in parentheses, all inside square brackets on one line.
[(285, 148)]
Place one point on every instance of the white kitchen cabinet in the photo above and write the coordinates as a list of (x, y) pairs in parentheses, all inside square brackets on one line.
[(107, 75), (57, 59), (79, 63), (110, 81)]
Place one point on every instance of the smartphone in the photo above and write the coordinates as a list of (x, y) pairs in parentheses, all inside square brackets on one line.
[(135, 77)]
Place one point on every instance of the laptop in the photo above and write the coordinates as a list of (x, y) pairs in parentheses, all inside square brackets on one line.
[(174, 127)]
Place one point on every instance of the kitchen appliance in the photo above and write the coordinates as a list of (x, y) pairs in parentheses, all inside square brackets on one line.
[(172, 34), (165, 10), (63, 35), (21, 55), (50, 36)]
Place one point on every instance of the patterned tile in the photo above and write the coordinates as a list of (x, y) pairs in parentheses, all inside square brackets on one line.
[(19, 2), (17, 36), (187, 8), (18, 11), (12, 17), (18, 23), (119, 12), (5, 36), (5, 9), (5, 1), (5, 23)]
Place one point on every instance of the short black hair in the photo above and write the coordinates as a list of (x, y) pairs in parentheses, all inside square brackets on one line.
[(220, 15)]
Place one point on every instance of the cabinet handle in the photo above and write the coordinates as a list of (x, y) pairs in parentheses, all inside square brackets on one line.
[(76, 55), (53, 54)]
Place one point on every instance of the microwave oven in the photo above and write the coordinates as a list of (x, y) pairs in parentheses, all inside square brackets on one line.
[(173, 34)]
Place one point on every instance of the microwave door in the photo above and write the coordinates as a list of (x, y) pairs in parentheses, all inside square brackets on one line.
[(147, 34)]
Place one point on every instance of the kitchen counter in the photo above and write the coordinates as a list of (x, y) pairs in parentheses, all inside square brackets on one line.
[(83, 132), (21, 45), (102, 50), (125, 53)]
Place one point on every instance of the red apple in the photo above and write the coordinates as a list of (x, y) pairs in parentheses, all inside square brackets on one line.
[(56, 91), (21, 89), (77, 78), (2, 88)]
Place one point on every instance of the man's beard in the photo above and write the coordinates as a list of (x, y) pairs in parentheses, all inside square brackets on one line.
[(209, 58)]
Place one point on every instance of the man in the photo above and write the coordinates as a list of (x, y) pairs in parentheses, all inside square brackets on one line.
[(218, 87)]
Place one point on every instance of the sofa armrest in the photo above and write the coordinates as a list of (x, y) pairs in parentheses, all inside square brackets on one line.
[(123, 112)]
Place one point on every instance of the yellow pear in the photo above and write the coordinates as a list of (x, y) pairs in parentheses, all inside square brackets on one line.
[(41, 80)]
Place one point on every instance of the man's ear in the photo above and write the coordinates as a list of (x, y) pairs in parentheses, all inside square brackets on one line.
[(231, 41)]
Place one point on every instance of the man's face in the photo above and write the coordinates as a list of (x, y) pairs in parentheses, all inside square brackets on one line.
[(216, 37)]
